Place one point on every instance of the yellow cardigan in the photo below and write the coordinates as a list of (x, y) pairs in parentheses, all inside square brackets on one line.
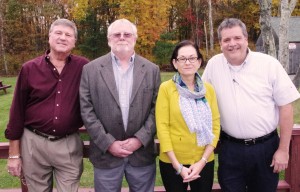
[(172, 131)]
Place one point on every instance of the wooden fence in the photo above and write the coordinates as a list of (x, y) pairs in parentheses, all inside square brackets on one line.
[(290, 183)]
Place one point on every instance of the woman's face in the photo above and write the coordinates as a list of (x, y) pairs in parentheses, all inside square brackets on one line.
[(187, 62)]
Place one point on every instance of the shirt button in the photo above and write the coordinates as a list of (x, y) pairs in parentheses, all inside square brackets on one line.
[(56, 118), (54, 130), (54, 69), (57, 105), (59, 80), (58, 92)]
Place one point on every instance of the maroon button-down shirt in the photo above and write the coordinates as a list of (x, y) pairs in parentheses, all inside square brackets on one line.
[(46, 100)]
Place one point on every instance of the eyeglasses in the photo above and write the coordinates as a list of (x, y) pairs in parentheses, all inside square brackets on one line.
[(119, 35), (183, 59)]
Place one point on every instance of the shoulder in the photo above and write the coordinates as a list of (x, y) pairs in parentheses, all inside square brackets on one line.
[(262, 57), (168, 87), (215, 62), (145, 62), (217, 57), (168, 83), (34, 64), (34, 61), (209, 88), (79, 59), (103, 60)]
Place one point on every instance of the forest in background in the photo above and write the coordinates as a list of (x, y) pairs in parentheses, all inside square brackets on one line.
[(161, 24)]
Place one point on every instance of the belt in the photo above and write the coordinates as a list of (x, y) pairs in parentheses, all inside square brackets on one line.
[(49, 137), (253, 141)]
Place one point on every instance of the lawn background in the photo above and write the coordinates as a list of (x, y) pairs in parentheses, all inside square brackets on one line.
[(8, 181)]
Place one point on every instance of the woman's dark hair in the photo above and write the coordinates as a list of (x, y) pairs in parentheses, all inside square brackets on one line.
[(185, 43)]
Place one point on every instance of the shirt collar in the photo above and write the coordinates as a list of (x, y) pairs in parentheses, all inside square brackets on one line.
[(244, 62), (116, 60), (47, 58)]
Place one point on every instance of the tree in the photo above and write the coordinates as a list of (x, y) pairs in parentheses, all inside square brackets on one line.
[(2, 47), (286, 11), (266, 28), (211, 28), (151, 19)]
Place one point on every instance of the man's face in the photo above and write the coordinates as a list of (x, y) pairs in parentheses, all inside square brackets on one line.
[(234, 45), (122, 40), (62, 39)]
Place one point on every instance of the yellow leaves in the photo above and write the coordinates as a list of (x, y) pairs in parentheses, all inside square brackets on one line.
[(79, 8), (151, 19)]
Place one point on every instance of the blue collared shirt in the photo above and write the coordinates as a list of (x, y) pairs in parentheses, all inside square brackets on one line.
[(124, 81)]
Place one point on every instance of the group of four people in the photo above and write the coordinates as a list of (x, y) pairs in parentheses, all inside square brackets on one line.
[(123, 105)]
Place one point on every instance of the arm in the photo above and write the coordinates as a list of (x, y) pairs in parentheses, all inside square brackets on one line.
[(281, 156), (209, 149), (14, 163), (163, 130), (147, 132), (93, 125), (15, 127)]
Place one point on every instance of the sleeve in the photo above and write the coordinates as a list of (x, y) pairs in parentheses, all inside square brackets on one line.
[(215, 114), (284, 90), (16, 121), (148, 130), (92, 123), (163, 119)]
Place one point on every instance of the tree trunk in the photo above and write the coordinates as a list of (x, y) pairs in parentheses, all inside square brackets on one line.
[(283, 54), (266, 29), (211, 29), (296, 79), (206, 43), (2, 48)]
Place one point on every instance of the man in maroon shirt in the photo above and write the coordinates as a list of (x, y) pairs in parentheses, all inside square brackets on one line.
[(45, 116)]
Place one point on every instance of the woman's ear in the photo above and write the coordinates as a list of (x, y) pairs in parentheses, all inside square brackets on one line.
[(175, 63)]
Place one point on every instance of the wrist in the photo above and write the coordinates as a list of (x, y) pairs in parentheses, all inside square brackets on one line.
[(14, 157), (204, 159), (179, 169)]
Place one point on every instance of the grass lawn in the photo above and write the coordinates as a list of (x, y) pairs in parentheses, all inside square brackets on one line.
[(8, 181)]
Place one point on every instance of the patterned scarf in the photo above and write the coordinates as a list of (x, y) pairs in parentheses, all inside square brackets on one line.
[(195, 109)]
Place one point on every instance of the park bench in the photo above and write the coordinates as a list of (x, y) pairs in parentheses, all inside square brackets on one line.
[(291, 182), (4, 87)]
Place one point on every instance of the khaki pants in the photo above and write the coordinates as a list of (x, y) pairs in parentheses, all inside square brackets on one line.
[(43, 159)]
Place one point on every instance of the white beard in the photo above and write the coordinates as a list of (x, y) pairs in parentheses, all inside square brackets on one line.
[(122, 48)]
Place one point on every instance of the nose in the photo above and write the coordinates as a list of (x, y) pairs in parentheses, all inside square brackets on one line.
[(232, 42), (122, 37), (62, 36)]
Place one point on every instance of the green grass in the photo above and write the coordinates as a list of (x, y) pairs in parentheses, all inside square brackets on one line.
[(8, 181)]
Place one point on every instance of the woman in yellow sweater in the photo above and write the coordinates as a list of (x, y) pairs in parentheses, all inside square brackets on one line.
[(188, 124)]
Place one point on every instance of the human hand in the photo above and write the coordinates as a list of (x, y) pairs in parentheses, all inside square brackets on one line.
[(195, 170), (280, 160), (132, 144), (185, 172), (14, 167), (117, 149)]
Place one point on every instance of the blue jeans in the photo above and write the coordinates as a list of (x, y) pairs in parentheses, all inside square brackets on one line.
[(246, 168)]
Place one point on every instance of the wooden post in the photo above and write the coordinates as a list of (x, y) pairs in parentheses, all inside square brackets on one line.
[(292, 174)]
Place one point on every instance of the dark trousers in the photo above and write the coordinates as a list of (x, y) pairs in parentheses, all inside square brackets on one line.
[(174, 183), (246, 168)]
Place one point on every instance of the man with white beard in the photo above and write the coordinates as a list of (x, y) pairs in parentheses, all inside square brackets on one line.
[(117, 96)]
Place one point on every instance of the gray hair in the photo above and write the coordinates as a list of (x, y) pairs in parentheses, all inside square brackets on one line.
[(122, 21), (229, 23), (64, 22)]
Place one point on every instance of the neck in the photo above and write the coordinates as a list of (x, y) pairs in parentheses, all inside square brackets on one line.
[(124, 59), (58, 56), (189, 81)]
